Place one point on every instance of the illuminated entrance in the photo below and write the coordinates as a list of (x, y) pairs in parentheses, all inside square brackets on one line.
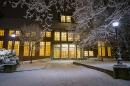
[(66, 51)]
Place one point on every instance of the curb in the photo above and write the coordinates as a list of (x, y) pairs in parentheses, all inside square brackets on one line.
[(109, 72)]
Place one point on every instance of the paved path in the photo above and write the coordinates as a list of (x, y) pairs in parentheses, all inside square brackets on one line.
[(60, 74)]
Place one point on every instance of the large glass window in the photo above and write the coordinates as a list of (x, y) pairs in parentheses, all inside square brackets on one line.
[(1, 44), (42, 48), (101, 48), (56, 51), (70, 36), (26, 49), (62, 18), (57, 36), (64, 49), (63, 36), (1, 32), (48, 48), (72, 51), (17, 33)]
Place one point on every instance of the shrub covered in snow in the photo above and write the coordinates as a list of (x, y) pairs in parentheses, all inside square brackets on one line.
[(8, 57)]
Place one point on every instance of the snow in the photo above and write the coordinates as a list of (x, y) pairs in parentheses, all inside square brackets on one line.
[(60, 74)]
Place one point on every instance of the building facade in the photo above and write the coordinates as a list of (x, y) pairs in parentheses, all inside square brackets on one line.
[(56, 44)]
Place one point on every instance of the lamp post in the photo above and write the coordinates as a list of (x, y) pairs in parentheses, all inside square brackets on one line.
[(119, 59), (13, 42)]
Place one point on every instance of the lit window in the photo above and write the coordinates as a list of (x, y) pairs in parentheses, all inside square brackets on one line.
[(42, 48), (11, 32), (68, 18), (27, 34), (10, 45), (57, 36), (16, 47), (72, 51), (48, 34), (101, 48), (109, 51), (1, 44), (56, 51), (48, 48), (86, 53), (65, 18), (91, 53), (63, 36), (70, 36), (1, 32), (33, 48), (17, 33), (26, 49)]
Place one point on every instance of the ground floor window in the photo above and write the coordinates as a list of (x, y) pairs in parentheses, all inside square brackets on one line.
[(88, 53), (45, 49), (1, 44), (64, 51)]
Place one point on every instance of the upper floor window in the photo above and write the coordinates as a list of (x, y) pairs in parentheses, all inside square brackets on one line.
[(57, 36), (63, 36), (1, 32), (65, 18), (48, 34), (14, 32)]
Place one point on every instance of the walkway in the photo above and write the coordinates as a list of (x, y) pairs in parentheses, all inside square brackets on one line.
[(60, 74)]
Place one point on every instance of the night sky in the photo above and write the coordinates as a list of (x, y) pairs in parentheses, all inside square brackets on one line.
[(9, 12)]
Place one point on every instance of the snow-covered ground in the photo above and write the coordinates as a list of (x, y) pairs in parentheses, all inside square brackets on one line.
[(60, 74)]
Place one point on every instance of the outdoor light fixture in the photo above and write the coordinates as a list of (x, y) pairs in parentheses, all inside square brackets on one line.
[(13, 35), (13, 43), (115, 24), (119, 59)]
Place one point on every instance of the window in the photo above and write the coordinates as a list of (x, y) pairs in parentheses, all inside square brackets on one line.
[(57, 36), (10, 45), (48, 48), (72, 51), (11, 32), (57, 51), (65, 18), (1, 44), (48, 34), (78, 52), (88, 53), (17, 33), (16, 47), (26, 49), (101, 48), (33, 48), (62, 18), (70, 36), (42, 48), (1, 32), (64, 51), (109, 51), (63, 36)]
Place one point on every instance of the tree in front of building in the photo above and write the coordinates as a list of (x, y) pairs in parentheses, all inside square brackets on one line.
[(30, 37)]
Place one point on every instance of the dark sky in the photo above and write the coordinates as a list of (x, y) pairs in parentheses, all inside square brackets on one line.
[(8, 12)]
